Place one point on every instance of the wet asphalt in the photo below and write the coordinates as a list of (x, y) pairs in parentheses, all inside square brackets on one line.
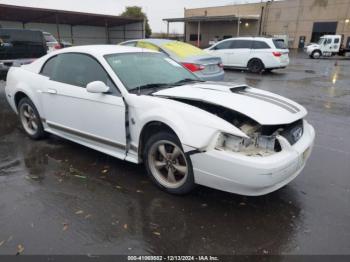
[(57, 197)]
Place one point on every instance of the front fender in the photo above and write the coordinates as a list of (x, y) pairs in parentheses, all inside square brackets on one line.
[(190, 134)]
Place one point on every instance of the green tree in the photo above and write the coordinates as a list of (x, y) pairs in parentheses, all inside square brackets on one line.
[(136, 11)]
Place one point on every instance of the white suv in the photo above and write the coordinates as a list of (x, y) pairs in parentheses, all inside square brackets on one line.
[(254, 53)]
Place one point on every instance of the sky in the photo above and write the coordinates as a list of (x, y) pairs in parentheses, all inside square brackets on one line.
[(156, 10)]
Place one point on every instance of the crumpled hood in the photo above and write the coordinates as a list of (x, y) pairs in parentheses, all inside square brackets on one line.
[(264, 107)]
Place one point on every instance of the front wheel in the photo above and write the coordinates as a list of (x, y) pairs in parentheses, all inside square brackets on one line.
[(30, 119), (316, 54), (167, 165)]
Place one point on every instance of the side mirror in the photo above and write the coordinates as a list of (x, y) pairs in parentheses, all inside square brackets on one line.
[(97, 87)]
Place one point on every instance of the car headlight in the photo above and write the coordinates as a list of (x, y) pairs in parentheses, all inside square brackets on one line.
[(257, 145)]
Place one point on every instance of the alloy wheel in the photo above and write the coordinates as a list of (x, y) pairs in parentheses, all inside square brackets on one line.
[(29, 119), (168, 164)]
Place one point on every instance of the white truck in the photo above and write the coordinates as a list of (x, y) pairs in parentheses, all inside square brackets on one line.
[(328, 45)]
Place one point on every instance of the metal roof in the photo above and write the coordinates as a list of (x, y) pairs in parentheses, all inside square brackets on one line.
[(212, 18), (51, 16)]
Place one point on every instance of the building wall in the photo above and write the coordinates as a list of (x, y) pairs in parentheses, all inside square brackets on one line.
[(219, 30), (293, 18), (296, 17), (84, 35), (244, 9)]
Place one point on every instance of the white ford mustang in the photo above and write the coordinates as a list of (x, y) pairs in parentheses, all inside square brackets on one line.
[(142, 106)]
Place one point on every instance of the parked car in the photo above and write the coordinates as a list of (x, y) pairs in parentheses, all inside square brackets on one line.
[(253, 53), (207, 67), (141, 106), (18, 47), (51, 42)]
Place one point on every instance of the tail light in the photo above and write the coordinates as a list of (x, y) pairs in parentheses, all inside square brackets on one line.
[(57, 46), (277, 54), (193, 67), (221, 65)]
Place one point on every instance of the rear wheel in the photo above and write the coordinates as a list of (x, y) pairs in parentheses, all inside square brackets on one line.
[(30, 119), (255, 66), (167, 164)]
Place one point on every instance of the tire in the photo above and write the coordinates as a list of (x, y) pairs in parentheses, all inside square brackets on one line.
[(316, 54), (30, 119), (173, 175), (255, 65), (268, 70)]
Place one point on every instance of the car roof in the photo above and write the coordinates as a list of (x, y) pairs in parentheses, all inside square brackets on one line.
[(251, 38), (101, 50)]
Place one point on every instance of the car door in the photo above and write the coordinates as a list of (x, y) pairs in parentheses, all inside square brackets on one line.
[(224, 51), (327, 47), (93, 119), (241, 53)]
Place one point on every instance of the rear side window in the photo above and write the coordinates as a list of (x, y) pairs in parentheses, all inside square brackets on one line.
[(279, 44), (49, 66), (260, 45), (224, 45), (242, 44)]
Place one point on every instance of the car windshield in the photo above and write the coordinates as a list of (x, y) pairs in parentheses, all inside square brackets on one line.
[(148, 70), (320, 42)]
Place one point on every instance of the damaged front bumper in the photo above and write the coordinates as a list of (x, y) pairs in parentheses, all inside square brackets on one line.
[(253, 175)]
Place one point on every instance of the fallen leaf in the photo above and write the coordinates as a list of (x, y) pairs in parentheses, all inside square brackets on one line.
[(104, 171), (125, 226), (2, 242), (65, 227), (242, 204), (20, 249), (139, 191), (118, 187), (79, 212), (156, 233)]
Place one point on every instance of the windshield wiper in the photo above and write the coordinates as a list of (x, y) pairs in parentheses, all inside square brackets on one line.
[(148, 86), (186, 80)]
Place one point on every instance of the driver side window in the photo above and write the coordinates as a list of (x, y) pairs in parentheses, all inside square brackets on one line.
[(76, 70)]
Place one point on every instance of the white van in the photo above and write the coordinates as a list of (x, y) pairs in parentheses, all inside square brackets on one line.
[(253, 53)]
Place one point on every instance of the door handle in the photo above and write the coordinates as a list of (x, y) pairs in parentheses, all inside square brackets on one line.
[(51, 91)]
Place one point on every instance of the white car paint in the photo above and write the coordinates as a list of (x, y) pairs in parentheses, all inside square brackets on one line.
[(240, 57), (98, 121)]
